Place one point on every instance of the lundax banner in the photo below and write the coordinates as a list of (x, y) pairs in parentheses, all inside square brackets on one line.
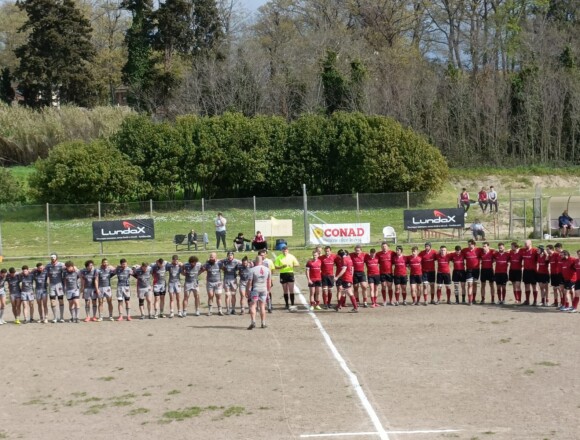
[(142, 229), (434, 218), (347, 233)]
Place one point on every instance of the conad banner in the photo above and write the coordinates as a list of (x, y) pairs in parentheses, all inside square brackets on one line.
[(142, 229), (344, 233), (434, 218)]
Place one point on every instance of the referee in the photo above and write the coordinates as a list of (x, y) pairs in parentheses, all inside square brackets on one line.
[(285, 263)]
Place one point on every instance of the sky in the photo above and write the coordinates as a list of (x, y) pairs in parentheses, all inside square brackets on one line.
[(252, 5)]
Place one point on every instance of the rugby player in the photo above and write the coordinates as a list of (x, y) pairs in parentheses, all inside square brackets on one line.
[(543, 276), (143, 275), (244, 275), (40, 277), (103, 288), (27, 294), (344, 279), (472, 263), (385, 257), (443, 274), (502, 259), (159, 269), (487, 276), (428, 268), (458, 276), (530, 263), (230, 269), (515, 273), (213, 283), (328, 262), (55, 272), (257, 287), (13, 281), (399, 262), (416, 276), (123, 273), (314, 277), (3, 275), (270, 265), (89, 283), (190, 271), (174, 284), (71, 277), (569, 278), (359, 277), (554, 258), (373, 275)]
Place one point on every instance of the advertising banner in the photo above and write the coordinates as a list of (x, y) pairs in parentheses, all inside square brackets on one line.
[(415, 219), (338, 234), (142, 229)]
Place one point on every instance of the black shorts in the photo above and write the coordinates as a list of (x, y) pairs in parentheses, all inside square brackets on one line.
[(556, 279), (577, 285), (286, 278), (359, 277), (515, 276), (400, 280), (444, 278), (428, 277), (315, 284), (568, 285), (458, 276), (487, 275), (386, 278), (472, 273), (375, 279), (344, 284), (327, 281), (415, 279), (542, 278), (501, 279), (529, 276)]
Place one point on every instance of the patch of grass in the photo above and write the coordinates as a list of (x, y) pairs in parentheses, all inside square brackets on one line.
[(95, 409), (147, 394), (124, 397), (264, 407), (137, 411), (3, 434), (505, 341), (78, 394), (234, 411), (122, 403), (489, 433), (106, 378), (91, 399), (529, 372), (182, 414), (34, 402), (173, 392), (548, 364)]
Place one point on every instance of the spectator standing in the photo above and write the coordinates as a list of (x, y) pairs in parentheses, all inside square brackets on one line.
[(482, 199), (565, 224), (192, 240), (220, 230), (492, 199), (464, 201)]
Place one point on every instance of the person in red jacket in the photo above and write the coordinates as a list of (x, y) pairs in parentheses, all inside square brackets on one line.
[(314, 277), (415, 275), (385, 257), (543, 275), (501, 259), (328, 262), (443, 273), (487, 275), (570, 277), (360, 277), (400, 275), (515, 273), (344, 279), (458, 273), (373, 275), (554, 258), (472, 262), (482, 199), (530, 263), (428, 267)]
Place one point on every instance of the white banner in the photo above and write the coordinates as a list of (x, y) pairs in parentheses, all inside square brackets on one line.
[(344, 233)]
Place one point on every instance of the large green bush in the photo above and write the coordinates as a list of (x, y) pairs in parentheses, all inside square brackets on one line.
[(12, 191), (79, 172)]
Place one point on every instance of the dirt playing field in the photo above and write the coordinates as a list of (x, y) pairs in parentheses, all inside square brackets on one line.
[(450, 371)]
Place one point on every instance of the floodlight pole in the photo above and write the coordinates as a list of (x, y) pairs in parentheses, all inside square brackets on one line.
[(305, 208)]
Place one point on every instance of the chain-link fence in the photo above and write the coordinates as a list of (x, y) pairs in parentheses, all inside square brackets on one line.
[(38, 230)]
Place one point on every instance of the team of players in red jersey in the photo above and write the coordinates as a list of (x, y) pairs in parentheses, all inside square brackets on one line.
[(428, 272)]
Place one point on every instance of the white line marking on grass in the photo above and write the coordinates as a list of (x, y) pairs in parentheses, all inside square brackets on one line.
[(360, 434)]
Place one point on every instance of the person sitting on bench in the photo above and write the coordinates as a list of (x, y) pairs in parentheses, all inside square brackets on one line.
[(192, 240), (565, 224), (239, 242), (259, 242)]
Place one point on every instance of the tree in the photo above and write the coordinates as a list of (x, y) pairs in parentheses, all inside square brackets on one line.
[(55, 60), (12, 190), (207, 28), (78, 172), (7, 93), (11, 20)]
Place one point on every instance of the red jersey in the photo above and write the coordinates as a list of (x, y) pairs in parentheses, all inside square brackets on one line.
[(346, 261), (530, 258), (515, 260), (487, 259), (314, 268), (471, 258), (328, 263), (428, 260), (372, 264), (385, 261), (555, 259), (400, 263), (458, 261), (358, 261), (569, 269), (543, 263), (415, 265), (443, 263), (501, 261)]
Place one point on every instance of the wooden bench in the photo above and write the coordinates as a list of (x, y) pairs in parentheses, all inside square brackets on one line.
[(554, 228), (179, 240)]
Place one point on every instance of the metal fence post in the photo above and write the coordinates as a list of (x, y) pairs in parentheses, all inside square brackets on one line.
[(510, 225), (100, 243), (305, 201), (357, 209), (48, 229), (151, 208), (254, 198), (408, 207)]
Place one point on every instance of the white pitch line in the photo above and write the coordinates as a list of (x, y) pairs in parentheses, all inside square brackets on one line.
[(360, 434)]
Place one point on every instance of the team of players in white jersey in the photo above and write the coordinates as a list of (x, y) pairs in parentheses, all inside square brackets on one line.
[(226, 279)]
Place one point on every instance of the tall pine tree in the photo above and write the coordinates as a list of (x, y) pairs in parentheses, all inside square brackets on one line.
[(55, 61), (7, 93)]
